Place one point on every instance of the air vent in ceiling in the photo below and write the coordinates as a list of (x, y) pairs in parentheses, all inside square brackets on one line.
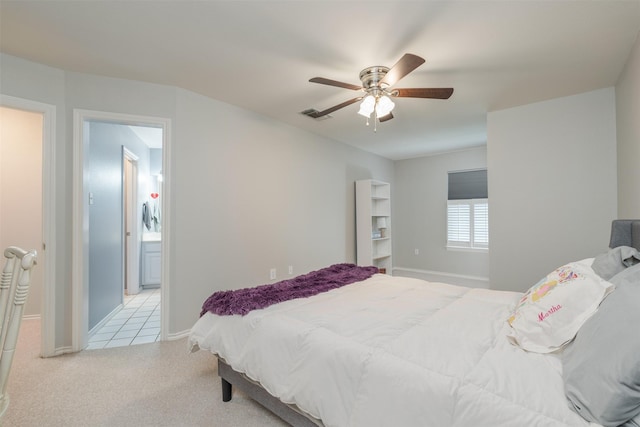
[(313, 113)]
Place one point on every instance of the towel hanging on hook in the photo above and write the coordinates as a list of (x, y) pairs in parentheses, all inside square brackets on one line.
[(146, 215)]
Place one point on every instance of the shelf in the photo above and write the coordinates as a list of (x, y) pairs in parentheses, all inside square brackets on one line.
[(373, 213)]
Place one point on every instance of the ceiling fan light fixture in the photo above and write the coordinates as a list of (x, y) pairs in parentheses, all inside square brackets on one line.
[(377, 83), (367, 106), (384, 106)]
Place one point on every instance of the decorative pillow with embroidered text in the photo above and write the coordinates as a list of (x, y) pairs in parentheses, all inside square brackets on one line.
[(552, 311)]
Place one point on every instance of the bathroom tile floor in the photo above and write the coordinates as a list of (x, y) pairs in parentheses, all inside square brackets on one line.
[(138, 322)]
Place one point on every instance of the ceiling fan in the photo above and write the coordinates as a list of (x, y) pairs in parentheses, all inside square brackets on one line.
[(376, 85)]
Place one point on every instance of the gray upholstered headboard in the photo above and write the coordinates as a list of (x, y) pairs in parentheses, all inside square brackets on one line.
[(625, 232)]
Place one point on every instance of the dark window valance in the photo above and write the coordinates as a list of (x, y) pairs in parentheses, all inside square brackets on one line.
[(468, 185)]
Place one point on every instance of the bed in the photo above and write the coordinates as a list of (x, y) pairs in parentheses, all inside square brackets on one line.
[(400, 351)]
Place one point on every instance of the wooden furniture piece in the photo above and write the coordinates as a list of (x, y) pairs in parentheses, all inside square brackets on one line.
[(373, 224), (14, 286)]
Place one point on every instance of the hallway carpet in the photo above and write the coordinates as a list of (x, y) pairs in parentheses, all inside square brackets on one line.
[(157, 384)]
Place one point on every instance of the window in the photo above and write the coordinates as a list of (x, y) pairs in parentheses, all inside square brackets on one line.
[(468, 223), (468, 210)]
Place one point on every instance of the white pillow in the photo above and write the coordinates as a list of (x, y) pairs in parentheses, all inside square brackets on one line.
[(552, 311)]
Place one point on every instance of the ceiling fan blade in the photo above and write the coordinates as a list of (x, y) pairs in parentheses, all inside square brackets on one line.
[(334, 108), (329, 82), (435, 93), (385, 118), (404, 66)]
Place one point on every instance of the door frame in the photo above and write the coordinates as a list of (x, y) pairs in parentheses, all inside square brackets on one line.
[(130, 216), (80, 256), (48, 309)]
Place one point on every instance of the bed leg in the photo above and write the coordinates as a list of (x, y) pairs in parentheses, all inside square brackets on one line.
[(226, 390)]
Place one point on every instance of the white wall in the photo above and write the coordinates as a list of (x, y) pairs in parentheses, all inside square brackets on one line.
[(249, 193), (21, 191), (255, 194), (36, 82), (628, 127), (552, 185), (278, 196), (419, 197)]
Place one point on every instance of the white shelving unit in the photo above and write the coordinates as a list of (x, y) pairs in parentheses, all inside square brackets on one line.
[(373, 224)]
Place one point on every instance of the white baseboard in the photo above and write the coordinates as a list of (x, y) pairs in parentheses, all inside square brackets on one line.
[(441, 276), (178, 335), (62, 350), (105, 320)]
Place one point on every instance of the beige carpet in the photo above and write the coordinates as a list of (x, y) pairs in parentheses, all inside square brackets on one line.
[(158, 384)]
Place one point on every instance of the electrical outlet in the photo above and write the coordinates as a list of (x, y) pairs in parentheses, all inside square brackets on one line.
[(291, 269), (416, 251), (272, 274)]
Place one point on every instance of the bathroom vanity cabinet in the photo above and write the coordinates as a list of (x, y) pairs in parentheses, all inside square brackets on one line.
[(151, 264)]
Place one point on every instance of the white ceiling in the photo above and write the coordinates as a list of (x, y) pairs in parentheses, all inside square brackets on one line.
[(151, 136), (259, 55)]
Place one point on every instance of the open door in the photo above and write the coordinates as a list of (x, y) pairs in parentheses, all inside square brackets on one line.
[(131, 241), (100, 266)]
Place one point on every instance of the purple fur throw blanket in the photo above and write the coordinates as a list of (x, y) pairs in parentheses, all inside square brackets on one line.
[(242, 301)]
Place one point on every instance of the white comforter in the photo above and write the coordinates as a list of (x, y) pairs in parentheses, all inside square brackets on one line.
[(393, 351)]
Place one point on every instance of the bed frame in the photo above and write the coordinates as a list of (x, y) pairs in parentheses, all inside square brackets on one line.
[(623, 232), (289, 413)]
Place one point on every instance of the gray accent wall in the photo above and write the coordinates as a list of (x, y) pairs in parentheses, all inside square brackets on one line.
[(552, 185)]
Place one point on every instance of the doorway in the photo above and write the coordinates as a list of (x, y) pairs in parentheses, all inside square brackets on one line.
[(131, 280), (21, 191), (45, 198), (121, 168), (109, 156)]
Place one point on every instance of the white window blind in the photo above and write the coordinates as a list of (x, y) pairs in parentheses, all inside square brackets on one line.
[(468, 223), (480, 224), (459, 223), (468, 210)]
